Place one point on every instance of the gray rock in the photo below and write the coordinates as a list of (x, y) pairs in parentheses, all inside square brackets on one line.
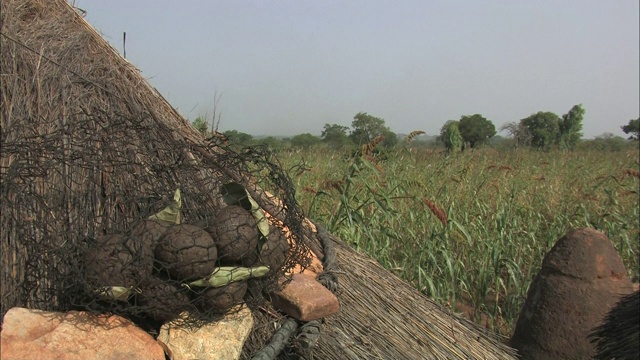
[(219, 340)]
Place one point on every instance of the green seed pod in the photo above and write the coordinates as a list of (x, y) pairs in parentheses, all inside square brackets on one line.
[(228, 274)]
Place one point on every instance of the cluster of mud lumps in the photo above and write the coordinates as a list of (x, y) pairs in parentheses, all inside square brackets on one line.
[(160, 269)]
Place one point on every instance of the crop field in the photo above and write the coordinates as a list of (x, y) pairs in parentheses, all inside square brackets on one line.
[(471, 230)]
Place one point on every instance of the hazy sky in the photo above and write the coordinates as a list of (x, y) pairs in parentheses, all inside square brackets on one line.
[(289, 67)]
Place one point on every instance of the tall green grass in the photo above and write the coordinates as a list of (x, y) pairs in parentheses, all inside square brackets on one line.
[(504, 211)]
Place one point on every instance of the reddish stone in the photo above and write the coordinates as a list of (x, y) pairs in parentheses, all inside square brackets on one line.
[(306, 299), (35, 334), (314, 269)]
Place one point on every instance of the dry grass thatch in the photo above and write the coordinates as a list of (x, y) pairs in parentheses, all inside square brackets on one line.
[(89, 148), (382, 317), (618, 337)]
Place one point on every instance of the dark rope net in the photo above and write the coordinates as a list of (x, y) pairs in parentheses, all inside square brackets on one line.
[(92, 155), (295, 339)]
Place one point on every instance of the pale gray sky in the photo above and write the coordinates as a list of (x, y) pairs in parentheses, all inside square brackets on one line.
[(289, 67)]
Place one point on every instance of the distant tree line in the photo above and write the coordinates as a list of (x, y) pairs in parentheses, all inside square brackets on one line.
[(542, 130), (545, 129), (471, 131)]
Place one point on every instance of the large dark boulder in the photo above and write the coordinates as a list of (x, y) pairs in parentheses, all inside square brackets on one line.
[(581, 279)]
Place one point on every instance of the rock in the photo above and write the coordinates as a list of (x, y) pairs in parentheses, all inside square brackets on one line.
[(30, 334), (581, 278), (219, 340), (305, 299), (314, 269)]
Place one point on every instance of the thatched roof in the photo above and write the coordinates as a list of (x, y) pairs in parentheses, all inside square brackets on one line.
[(618, 337), (383, 317), (89, 148), (88, 145)]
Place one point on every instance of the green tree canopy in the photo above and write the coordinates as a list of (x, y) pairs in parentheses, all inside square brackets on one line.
[(238, 138), (570, 127), (272, 143), (476, 129), (365, 128), (200, 123), (450, 136), (304, 140), (335, 135), (606, 142), (390, 139), (543, 127), (633, 128)]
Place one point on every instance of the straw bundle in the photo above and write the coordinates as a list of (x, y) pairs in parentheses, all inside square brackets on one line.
[(382, 317), (89, 149)]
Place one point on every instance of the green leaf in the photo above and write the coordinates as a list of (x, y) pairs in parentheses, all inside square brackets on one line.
[(225, 275), (235, 194), (171, 213), (119, 293)]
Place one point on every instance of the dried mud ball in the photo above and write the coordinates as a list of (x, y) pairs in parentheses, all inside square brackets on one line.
[(219, 300), (117, 260), (204, 223), (275, 250), (162, 300), (150, 231), (236, 234), (186, 252)]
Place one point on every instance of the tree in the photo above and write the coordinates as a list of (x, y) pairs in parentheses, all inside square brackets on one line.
[(450, 136), (365, 128), (304, 140), (335, 135), (518, 132), (633, 128), (272, 143), (443, 131), (606, 142), (238, 138), (543, 127), (201, 125), (476, 129), (390, 139), (570, 127)]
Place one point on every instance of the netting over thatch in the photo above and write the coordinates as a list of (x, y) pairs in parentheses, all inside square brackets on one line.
[(89, 152)]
